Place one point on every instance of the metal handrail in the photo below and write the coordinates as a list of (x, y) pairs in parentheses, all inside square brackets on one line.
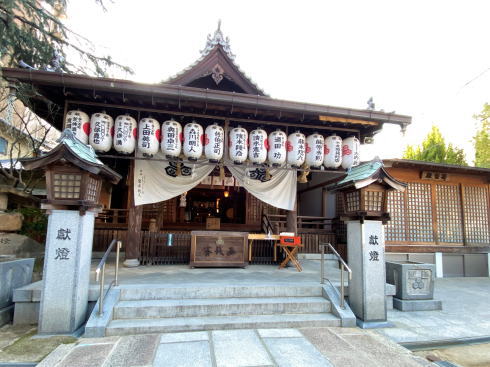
[(343, 265), (100, 271)]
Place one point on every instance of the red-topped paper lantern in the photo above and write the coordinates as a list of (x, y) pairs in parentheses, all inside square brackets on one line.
[(350, 152), (333, 152), (101, 131), (193, 139), (171, 143), (214, 143), (78, 122), (149, 136), (314, 150), (277, 148), (296, 147), (238, 145), (257, 152), (125, 132)]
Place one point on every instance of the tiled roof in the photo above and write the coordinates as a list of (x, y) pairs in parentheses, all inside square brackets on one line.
[(83, 151), (361, 172), (365, 174)]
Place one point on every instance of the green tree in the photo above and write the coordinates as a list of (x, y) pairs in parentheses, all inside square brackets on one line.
[(33, 31), (481, 140), (435, 149)]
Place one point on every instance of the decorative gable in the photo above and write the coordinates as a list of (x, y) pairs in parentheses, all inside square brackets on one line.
[(216, 69)]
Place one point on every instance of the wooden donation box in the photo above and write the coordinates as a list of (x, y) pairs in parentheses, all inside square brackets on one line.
[(218, 249)]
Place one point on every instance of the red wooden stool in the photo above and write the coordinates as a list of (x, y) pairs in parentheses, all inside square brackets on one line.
[(291, 251)]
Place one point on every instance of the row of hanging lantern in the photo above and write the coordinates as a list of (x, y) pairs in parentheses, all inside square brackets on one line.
[(277, 148)]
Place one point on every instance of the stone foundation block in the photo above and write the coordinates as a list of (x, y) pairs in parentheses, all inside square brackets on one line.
[(416, 304), (26, 313), (6, 314), (10, 222)]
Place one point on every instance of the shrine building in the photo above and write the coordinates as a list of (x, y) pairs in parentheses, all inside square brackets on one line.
[(208, 150)]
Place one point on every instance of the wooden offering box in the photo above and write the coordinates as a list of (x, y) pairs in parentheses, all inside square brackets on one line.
[(218, 249)]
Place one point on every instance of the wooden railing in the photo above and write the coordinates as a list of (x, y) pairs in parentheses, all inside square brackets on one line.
[(103, 236), (158, 249), (305, 223), (118, 218), (112, 218), (312, 230), (155, 250)]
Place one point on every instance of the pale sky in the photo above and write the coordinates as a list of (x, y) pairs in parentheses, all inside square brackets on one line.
[(413, 57)]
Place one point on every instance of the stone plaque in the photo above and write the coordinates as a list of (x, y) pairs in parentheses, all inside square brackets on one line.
[(418, 282), (218, 249)]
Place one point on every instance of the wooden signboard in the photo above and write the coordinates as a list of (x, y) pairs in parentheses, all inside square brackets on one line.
[(218, 249), (213, 223)]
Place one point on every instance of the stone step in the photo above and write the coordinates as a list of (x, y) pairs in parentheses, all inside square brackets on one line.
[(177, 324), (219, 307), (219, 291)]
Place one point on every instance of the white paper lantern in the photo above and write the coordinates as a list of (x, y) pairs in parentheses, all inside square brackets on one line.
[(257, 152), (314, 150), (277, 148), (296, 147), (78, 122), (171, 138), (333, 152), (125, 132), (101, 131), (193, 136), (214, 138), (148, 136), (238, 145), (350, 152)]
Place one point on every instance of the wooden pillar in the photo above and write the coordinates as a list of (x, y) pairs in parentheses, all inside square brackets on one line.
[(133, 245), (324, 202), (292, 220)]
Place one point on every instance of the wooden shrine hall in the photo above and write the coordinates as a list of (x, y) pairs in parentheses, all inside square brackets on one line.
[(213, 91)]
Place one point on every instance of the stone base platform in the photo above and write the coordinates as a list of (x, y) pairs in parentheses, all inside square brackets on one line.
[(416, 304), (373, 324)]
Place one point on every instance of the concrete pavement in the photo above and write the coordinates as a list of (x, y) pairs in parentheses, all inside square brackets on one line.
[(465, 314), (308, 347)]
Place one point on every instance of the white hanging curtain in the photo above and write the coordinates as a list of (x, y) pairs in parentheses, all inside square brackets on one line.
[(278, 191), (156, 181)]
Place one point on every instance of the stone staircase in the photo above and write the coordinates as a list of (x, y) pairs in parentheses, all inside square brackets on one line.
[(158, 309)]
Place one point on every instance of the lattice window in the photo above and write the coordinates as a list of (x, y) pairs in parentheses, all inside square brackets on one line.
[(373, 200), (255, 207), (254, 210), (169, 210), (396, 228), (476, 214), (352, 201), (419, 212), (92, 189), (448, 214), (66, 186), (339, 204)]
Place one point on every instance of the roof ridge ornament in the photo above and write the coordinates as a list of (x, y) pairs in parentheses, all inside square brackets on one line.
[(218, 39)]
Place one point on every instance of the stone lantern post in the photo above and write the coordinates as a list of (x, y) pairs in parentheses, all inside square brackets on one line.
[(364, 201), (74, 179)]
